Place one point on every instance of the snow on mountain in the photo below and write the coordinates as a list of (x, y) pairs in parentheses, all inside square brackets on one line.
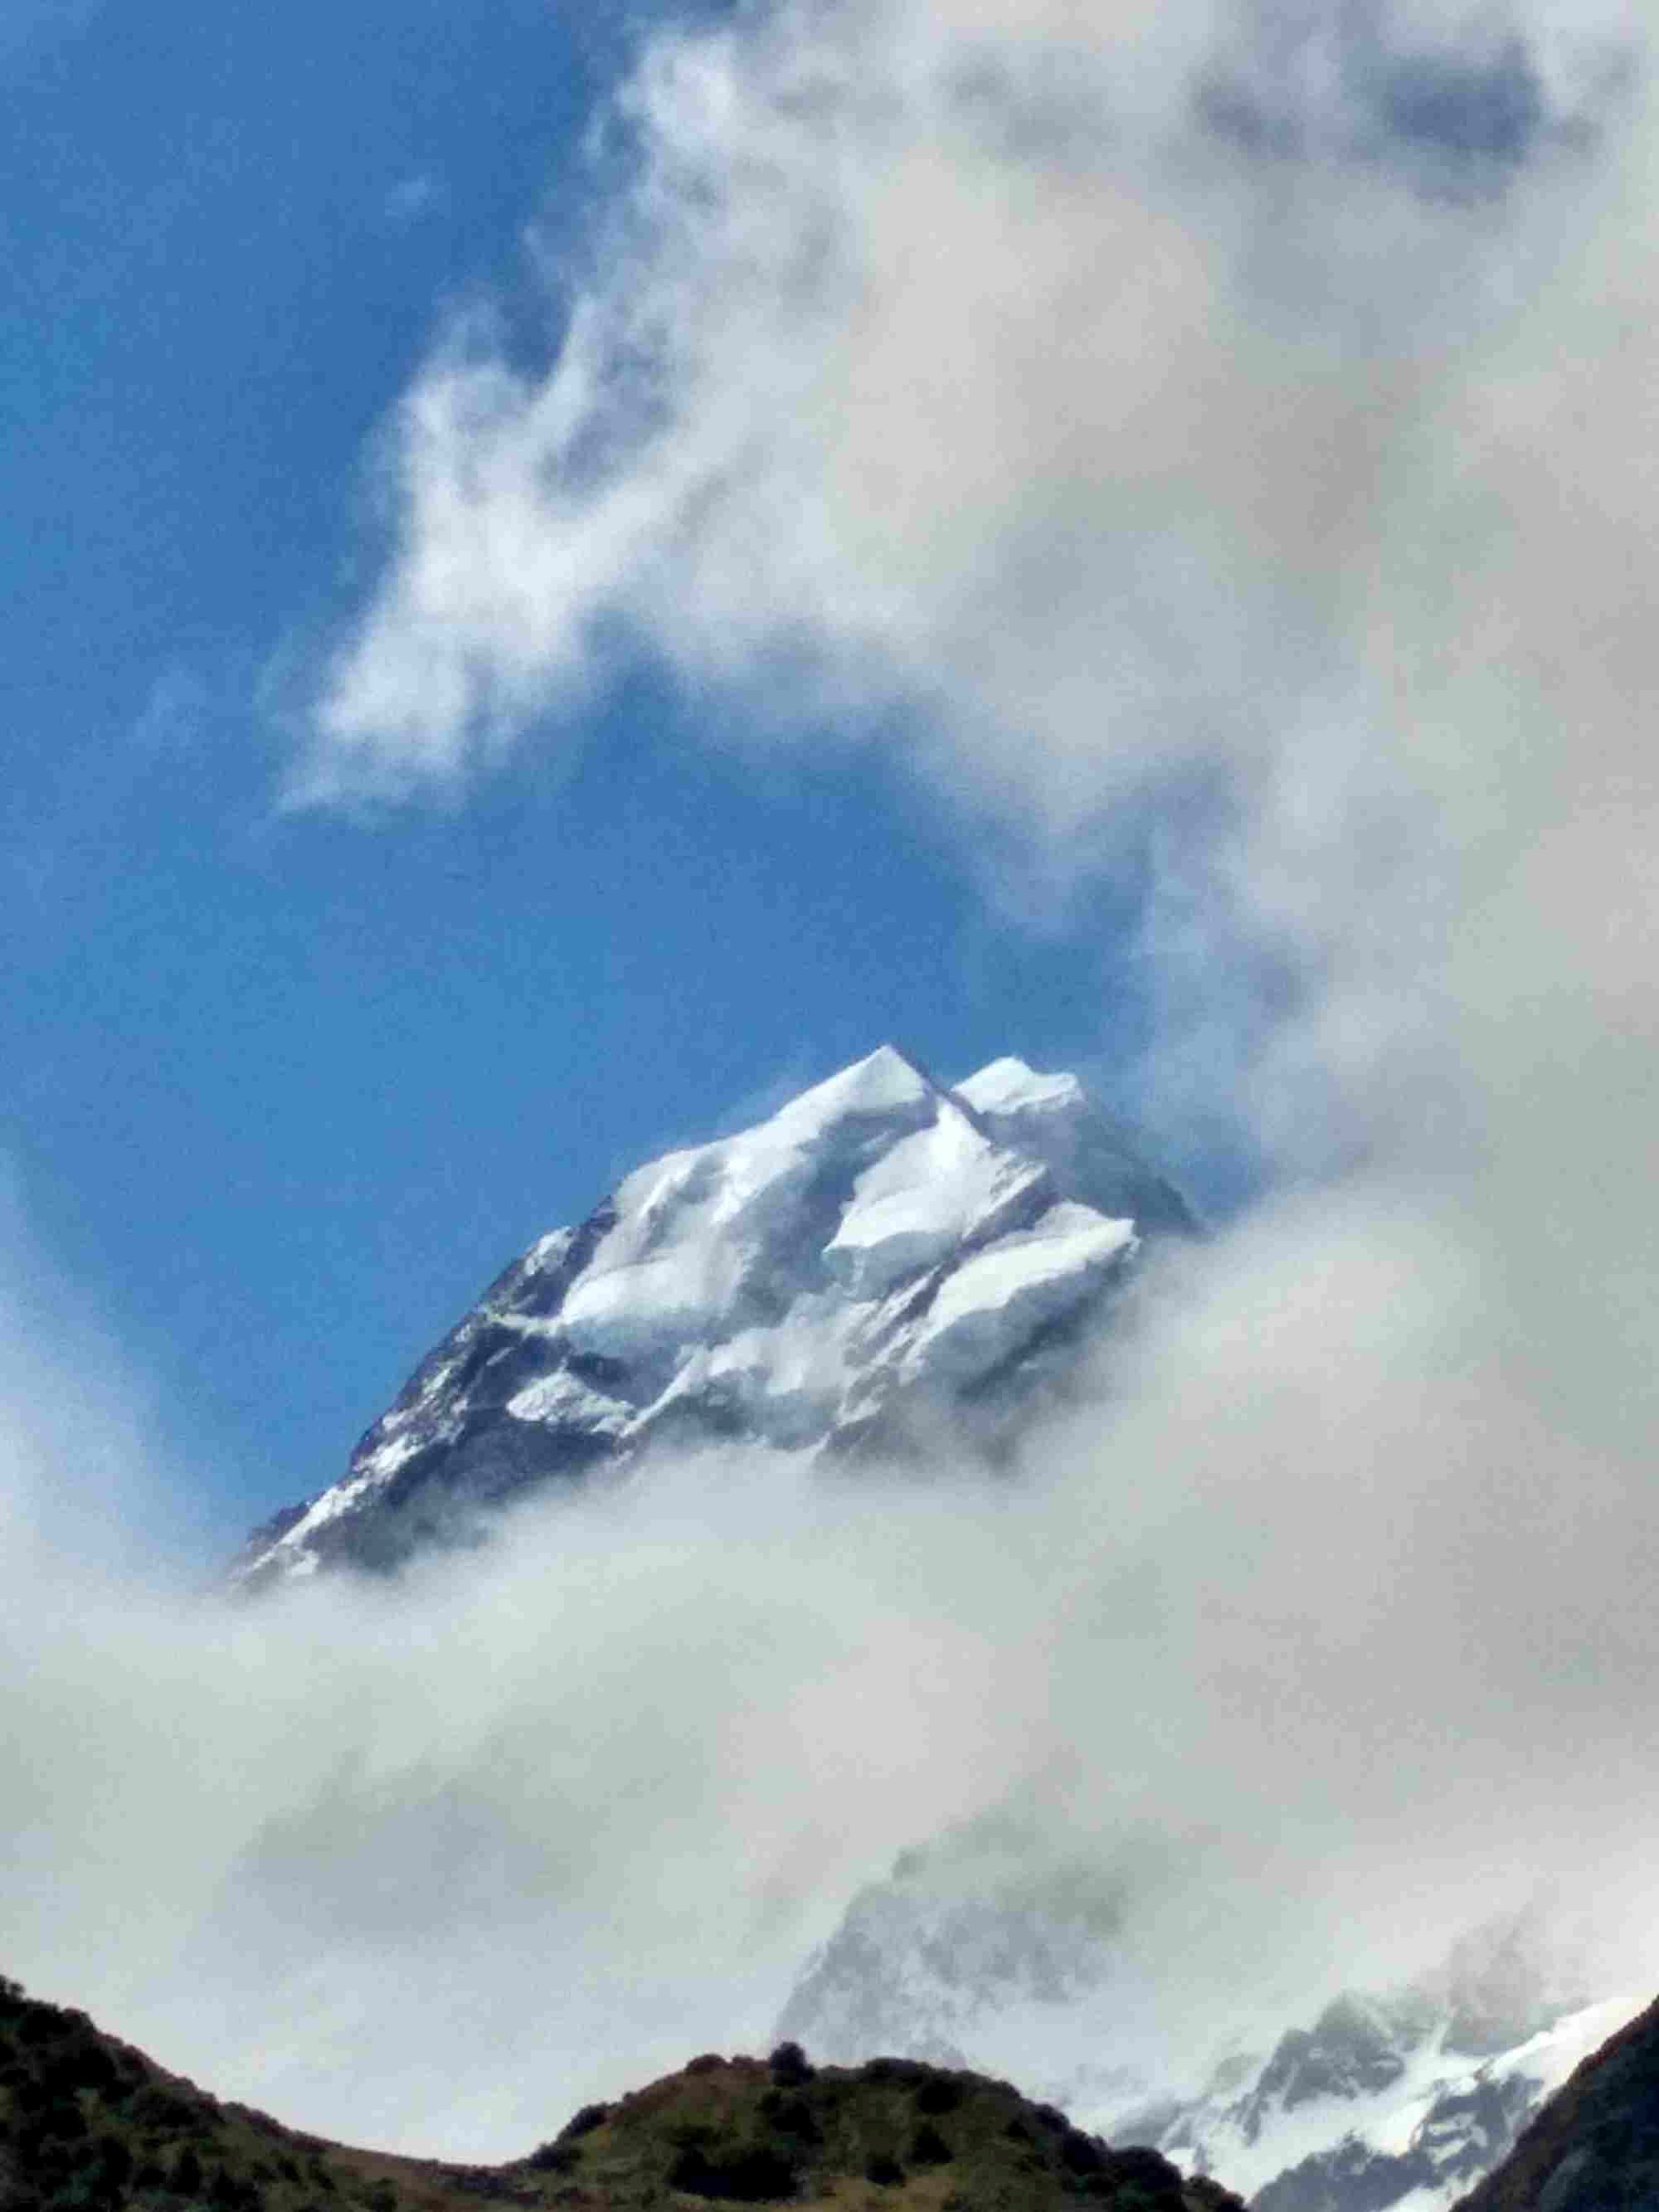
[(1052, 1118), (882, 1252), (978, 1956), (1385, 2103)]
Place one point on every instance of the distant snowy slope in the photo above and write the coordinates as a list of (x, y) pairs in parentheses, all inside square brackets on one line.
[(980, 1951), (1383, 2103), (881, 1251)]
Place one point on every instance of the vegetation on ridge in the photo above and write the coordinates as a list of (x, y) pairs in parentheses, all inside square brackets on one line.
[(90, 2124)]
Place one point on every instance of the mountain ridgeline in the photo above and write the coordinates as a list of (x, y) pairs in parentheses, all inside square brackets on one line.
[(90, 2124), (882, 1255)]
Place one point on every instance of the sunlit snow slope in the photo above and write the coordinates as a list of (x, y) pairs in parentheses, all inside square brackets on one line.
[(881, 1253)]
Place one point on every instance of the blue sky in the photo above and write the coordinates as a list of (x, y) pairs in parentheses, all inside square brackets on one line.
[(282, 1090)]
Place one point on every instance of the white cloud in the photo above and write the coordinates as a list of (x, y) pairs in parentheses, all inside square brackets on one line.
[(1323, 1597), (946, 354)]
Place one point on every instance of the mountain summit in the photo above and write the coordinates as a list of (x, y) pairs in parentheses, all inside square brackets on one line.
[(881, 1254)]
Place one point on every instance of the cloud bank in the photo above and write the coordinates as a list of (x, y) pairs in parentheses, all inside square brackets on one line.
[(1316, 1637)]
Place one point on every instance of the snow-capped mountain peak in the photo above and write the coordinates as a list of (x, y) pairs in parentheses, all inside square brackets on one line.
[(880, 1251), (886, 1081)]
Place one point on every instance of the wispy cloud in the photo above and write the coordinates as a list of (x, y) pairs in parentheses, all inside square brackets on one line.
[(414, 199), (1104, 411), (173, 718), (1058, 378)]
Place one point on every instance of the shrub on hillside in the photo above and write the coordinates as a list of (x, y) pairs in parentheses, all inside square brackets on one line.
[(159, 2110), (791, 2116), (77, 2062), (115, 2162), (557, 2157), (942, 2094), (928, 2147), (1080, 2154), (753, 2173), (906, 2072), (230, 2192), (1141, 2179), (584, 2122)]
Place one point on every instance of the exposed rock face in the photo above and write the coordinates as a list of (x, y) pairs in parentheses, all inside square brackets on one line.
[(883, 1254)]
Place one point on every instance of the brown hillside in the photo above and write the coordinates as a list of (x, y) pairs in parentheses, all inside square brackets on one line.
[(90, 2124)]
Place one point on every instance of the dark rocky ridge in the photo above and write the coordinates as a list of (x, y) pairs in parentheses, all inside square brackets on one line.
[(90, 2124), (1594, 2147)]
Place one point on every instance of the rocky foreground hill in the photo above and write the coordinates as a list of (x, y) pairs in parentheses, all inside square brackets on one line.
[(90, 2124)]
